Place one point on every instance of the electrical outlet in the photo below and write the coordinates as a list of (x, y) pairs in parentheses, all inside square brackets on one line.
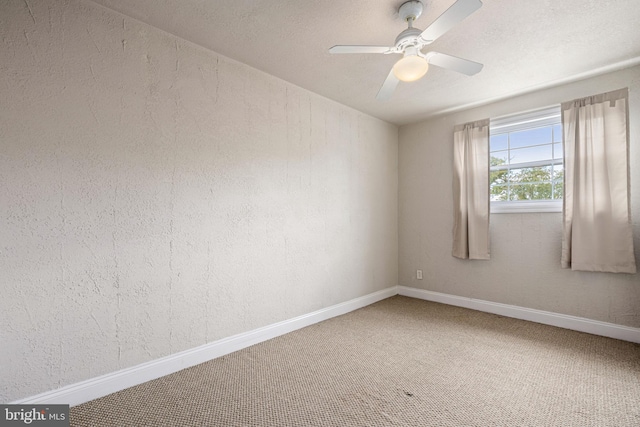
[(419, 274)]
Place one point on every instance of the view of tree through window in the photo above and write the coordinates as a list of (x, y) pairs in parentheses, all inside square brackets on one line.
[(526, 157)]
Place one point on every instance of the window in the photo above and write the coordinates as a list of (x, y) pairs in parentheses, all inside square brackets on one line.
[(526, 162)]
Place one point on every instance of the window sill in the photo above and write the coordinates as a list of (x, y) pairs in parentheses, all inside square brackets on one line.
[(527, 206)]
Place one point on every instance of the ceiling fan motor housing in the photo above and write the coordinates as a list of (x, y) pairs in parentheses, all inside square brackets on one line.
[(408, 37)]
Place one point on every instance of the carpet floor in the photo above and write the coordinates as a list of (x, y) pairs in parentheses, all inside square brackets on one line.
[(399, 362)]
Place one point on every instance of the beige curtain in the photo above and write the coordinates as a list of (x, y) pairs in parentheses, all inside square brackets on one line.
[(471, 190), (597, 233)]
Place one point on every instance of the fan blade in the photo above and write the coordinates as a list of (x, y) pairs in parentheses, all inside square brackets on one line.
[(388, 87), (454, 63), (456, 13), (358, 49)]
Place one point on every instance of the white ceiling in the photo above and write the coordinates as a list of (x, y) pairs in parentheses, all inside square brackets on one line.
[(523, 44)]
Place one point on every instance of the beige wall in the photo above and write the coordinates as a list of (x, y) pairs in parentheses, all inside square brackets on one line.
[(155, 196), (524, 269)]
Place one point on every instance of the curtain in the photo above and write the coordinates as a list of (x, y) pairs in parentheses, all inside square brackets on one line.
[(471, 190), (597, 233)]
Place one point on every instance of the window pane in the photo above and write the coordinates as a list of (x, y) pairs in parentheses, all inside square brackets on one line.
[(557, 190), (498, 193), (499, 142), (558, 181), (558, 173), (531, 154), (540, 191), (530, 137), (499, 177), (557, 151), (499, 158), (557, 133), (533, 175)]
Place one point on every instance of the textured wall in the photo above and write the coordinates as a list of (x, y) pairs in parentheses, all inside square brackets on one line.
[(524, 269), (156, 196)]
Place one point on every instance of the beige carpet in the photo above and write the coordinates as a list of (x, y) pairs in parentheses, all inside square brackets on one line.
[(400, 362)]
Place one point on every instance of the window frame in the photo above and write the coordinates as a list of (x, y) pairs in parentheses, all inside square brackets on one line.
[(527, 120)]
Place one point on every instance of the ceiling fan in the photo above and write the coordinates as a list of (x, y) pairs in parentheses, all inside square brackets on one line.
[(414, 64)]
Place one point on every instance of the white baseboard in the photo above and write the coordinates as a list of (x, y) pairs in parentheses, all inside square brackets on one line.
[(581, 324), (94, 388)]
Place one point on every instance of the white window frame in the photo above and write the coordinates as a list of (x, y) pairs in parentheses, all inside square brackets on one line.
[(548, 116)]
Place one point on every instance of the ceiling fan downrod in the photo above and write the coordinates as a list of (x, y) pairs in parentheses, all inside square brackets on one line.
[(410, 11)]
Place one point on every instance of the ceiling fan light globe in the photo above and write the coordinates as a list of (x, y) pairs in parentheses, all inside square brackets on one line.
[(410, 68)]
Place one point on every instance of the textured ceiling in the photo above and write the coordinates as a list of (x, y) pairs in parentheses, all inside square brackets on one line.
[(523, 44)]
